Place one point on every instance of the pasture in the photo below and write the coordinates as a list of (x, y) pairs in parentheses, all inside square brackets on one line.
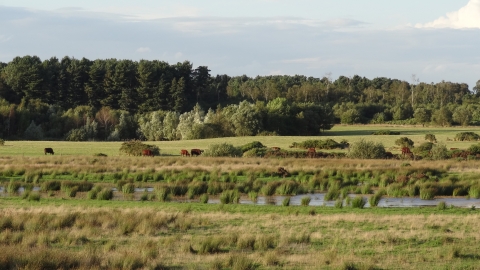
[(57, 228), (172, 148)]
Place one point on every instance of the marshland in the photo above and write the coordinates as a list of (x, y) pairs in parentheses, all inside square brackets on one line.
[(91, 206)]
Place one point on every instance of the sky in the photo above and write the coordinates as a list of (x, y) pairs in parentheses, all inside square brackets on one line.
[(434, 40)]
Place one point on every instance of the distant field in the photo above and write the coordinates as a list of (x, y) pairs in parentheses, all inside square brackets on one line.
[(337, 133)]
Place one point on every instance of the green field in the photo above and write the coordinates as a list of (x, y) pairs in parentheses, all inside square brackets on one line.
[(337, 133)]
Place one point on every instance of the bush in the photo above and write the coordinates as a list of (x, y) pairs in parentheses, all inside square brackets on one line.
[(320, 144), (252, 145), (204, 198), (366, 150), (439, 152), (385, 132), (255, 152), (404, 142), (424, 147), (474, 149), (76, 135), (431, 138), (222, 150), (467, 136), (135, 148), (2, 142)]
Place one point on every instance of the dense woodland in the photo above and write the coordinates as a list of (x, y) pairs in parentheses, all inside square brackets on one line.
[(81, 99)]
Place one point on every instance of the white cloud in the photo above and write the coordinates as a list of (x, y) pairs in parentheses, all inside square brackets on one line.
[(143, 49), (466, 17), (4, 38)]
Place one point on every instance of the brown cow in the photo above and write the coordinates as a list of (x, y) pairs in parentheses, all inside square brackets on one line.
[(48, 151), (275, 148), (147, 153), (184, 153), (407, 153), (311, 152), (196, 152)]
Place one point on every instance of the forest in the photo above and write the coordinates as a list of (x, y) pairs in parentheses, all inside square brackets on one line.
[(110, 99)]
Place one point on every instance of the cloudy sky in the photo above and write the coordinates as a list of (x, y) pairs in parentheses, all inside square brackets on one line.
[(434, 39)]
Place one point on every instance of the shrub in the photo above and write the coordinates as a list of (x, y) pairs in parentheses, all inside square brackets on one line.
[(135, 148), (252, 145), (439, 152), (385, 132), (404, 142), (222, 150), (255, 152), (320, 144), (467, 136), (2, 142), (366, 150), (431, 138), (339, 203), (474, 149), (424, 147), (76, 135)]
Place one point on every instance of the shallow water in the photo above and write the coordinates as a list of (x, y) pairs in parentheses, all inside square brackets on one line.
[(316, 199)]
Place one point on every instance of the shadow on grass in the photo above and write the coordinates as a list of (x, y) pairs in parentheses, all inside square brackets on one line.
[(351, 132)]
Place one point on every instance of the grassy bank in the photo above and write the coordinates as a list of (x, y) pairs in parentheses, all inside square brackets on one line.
[(89, 235)]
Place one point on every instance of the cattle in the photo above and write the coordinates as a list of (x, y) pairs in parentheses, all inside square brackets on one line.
[(196, 152), (48, 151), (275, 148), (184, 153), (311, 152), (407, 153), (147, 153), (388, 155)]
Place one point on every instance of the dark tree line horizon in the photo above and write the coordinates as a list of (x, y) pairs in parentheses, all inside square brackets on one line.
[(34, 90)]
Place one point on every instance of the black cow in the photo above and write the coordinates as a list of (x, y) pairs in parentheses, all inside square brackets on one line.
[(48, 151), (196, 152)]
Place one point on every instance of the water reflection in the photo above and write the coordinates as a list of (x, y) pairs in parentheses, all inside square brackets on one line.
[(316, 199)]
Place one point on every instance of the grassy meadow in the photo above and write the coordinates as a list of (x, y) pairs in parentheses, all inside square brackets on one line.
[(337, 133), (74, 222)]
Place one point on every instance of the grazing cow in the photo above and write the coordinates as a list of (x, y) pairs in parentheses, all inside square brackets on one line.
[(407, 153), (184, 153), (453, 148), (311, 152), (196, 152), (48, 151), (276, 148), (147, 153), (388, 155)]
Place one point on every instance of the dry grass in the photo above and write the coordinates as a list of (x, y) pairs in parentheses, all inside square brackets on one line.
[(151, 236)]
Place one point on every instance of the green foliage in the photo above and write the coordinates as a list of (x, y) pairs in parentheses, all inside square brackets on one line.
[(320, 144), (364, 149), (385, 132), (105, 194), (426, 146), (467, 136), (430, 137), (203, 198), (229, 196), (474, 149), (2, 142), (404, 142), (305, 200), (253, 145), (76, 135), (255, 152), (375, 199), (358, 202), (439, 152), (222, 150), (286, 201), (135, 148)]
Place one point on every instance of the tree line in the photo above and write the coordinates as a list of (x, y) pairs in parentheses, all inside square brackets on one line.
[(80, 99)]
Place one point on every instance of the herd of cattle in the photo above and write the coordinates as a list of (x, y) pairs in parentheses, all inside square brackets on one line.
[(310, 153)]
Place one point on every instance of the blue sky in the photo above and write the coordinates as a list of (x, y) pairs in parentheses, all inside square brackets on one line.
[(434, 39)]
